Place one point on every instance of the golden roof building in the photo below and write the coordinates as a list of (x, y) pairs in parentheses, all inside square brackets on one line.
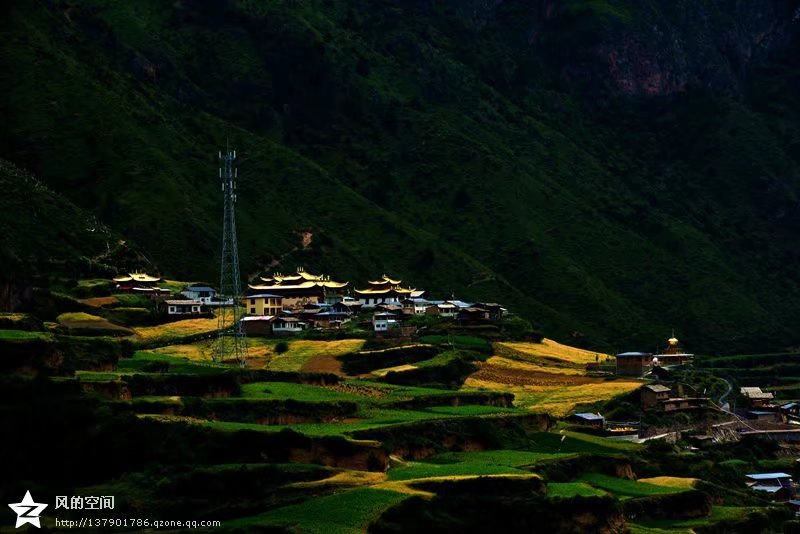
[(137, 282), (384, 291), (300, 288)]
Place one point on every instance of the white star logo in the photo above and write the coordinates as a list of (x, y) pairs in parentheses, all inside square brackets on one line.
[(28, 511)]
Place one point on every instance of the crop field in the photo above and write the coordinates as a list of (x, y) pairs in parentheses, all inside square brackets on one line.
[(80, 322), (542, 390), (552, 350), (176, 330), (379, 444), (100, 302)]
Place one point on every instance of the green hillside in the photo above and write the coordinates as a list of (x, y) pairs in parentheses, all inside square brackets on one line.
[(608, 180)]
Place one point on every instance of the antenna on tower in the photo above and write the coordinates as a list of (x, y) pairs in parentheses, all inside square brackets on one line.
[(231, 343)]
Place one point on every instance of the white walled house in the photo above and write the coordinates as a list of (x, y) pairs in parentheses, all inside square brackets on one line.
[(183, 307)]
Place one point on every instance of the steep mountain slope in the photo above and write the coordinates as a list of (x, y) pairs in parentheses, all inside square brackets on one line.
[(609, 169)]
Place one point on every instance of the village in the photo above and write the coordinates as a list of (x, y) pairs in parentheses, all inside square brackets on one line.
[(289, 304), (662, 402)]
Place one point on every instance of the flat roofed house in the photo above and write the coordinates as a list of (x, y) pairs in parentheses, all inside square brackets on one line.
[(257, 325), (300, 288), (263, 304), (347, 305), (755, 397), (384, 291), (594, 420), (204, 294), (183, 307), (653, 394), (778, 478), (444, 309), (778, 486), (287, 325), (675, 404), (634, 363)]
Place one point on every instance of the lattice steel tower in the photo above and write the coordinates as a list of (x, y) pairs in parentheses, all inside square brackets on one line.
[(230, 343)]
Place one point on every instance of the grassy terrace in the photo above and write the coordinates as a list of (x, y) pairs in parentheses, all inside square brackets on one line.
[(22, 335)]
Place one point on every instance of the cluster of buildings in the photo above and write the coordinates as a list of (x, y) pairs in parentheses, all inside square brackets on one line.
[(639, 364), (291, 303), (285, 304)]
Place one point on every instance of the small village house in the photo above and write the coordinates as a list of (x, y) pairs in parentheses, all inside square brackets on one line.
[(257, 325), (287, 325), (204, 294), (634, 363), (347, 305), (263, 304), (331, 319), (676, 404), (417, 305), (183, 307), (445, 310), (756, 398), (790, 412), (384, 321), (472, 315), (652, 395), (594, 420), (763, 415), (778, 486)]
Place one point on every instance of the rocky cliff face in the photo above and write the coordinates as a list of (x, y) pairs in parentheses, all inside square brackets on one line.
[(702, 44), (657, 47)]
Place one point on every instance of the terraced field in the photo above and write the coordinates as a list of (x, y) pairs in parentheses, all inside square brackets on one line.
[(327, 437)]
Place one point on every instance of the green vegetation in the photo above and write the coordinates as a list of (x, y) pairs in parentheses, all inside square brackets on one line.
[(342, 513), (505, 162), (626, 488), (22, 334)]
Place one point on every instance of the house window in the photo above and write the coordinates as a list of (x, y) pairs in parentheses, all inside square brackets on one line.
[(253, 311), (252, 301), (172, 309)]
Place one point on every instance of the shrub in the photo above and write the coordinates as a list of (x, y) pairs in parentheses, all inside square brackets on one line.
[(282, 347)]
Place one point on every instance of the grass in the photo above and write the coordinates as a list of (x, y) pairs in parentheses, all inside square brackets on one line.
[(718, 514), (624, 488), (492, 462), (302, 351), (142, 359), (22, 334), (345, 512), (287, 390), (458, 342), (79, 321), (671, 482), (368, 418), (573, 489), (426, 470)]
